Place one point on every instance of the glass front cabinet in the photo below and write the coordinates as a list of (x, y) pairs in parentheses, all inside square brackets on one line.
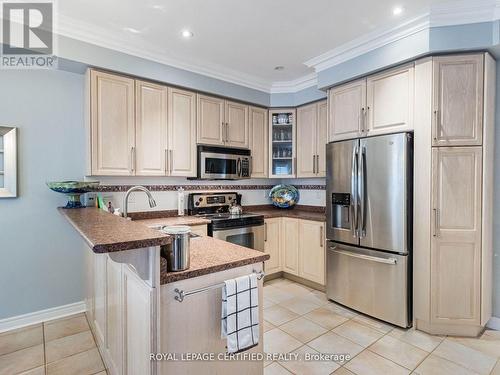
[(282, 152)]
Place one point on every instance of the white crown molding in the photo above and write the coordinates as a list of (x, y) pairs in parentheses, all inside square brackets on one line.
[(447, 14), (367, 43), (41, 316), (290, 87)]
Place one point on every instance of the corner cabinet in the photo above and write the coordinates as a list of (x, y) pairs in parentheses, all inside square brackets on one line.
[(257, 121), (222, 122), (139, 128), (282, 145), (296, 247), (311, 140), (453, 218), (379, 104)]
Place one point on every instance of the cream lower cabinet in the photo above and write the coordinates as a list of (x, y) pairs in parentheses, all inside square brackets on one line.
[(258, 141), (290, 245), (296, 247), (456, 237), (312, 251), (121, 307), (272, 245)]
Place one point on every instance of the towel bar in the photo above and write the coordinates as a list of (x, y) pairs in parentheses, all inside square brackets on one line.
[(181, 294)]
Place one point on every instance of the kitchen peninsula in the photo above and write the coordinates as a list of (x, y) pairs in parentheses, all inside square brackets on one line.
[(130, 294)]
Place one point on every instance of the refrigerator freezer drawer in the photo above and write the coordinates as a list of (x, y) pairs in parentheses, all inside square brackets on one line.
[(371, 282)]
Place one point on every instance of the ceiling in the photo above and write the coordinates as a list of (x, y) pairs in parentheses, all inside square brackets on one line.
[(242, 38)]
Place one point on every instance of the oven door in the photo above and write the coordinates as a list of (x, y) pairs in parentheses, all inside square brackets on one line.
[(219, 166), (251, 237)]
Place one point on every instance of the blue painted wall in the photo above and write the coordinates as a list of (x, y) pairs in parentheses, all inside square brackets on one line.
[(40, 255)]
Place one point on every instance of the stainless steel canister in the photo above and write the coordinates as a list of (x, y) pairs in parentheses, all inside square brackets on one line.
[(177, 252)]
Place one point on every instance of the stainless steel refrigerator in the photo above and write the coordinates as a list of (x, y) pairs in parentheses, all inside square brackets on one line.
[(369, 225)]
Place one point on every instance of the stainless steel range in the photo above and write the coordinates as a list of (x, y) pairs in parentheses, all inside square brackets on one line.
[(243, 229)]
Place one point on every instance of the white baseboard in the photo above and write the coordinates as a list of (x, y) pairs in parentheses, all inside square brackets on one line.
[(494, 323), (20, 321)]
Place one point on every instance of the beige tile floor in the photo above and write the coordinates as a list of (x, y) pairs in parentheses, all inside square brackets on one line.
[(301, 320), (297, 320), (58, 347)]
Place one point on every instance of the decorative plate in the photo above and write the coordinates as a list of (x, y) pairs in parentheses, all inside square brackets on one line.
[(284, 196), (73, 189)]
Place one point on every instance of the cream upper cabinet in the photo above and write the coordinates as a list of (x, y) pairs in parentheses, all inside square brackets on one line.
[(290, 245), (312, 251), (456, 235), (347, 110), (150, 129), (181, 155), (210, 120), (307, 119), (112, 124), (236, 125), (272, 245), (222, 122), (311, 139), (258, 141), (458, 100), (390, 101), (322, 138)]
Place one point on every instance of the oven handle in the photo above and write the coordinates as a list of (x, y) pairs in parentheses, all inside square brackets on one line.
[(391, 261)]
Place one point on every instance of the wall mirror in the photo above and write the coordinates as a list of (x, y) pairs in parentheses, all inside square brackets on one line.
[(8, 162)]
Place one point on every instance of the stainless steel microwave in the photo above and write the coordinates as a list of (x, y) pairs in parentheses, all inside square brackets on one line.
[(222, 163)]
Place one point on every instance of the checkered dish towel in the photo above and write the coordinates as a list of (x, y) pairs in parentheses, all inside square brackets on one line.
[(240, 313)]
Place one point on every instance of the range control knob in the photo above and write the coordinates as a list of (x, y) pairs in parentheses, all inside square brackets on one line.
[(200, 199), (197, 203)]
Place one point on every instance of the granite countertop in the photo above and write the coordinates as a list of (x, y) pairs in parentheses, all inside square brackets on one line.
[(313, 213), (105, 232), (173, 220), (210, 255)]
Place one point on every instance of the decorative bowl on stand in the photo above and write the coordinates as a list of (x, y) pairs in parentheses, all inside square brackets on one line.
[(284, 196), (73, 190)]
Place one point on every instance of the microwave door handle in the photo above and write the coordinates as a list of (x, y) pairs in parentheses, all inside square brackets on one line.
[(238, 167), (354, 195)]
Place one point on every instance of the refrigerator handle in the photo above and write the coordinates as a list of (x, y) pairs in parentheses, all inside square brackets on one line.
[(362, 191), (354, 193)]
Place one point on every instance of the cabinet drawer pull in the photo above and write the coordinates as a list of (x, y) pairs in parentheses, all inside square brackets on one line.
[(321, 236)]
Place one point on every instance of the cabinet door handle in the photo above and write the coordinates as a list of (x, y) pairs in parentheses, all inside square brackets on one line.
[(223, 130), (171, 160), (321, 236), (361, 120), (166, 161), (265, 232), (436, 222), (314, 164), (132, 159), (436, 123), (367, 115), (227, 131), (317, 164)]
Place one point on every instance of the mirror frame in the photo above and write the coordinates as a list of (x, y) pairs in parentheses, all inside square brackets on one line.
[(9, 189)]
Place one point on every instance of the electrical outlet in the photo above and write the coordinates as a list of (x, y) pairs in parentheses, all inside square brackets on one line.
[(90, 199)]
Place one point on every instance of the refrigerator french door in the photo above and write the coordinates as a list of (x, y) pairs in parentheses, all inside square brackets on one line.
[(369, 225)]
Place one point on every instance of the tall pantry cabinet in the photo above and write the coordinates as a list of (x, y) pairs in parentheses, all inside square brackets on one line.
[(454, 125)]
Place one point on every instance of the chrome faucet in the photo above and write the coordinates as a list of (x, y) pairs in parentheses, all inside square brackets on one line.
[(152, 202)]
